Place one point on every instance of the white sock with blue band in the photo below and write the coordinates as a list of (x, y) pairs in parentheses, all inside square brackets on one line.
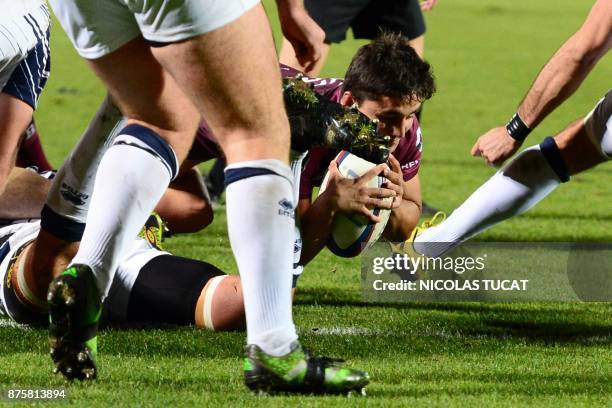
[(133, 175), (260, 218)]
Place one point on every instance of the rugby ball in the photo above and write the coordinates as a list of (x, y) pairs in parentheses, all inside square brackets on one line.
[(351, 234)]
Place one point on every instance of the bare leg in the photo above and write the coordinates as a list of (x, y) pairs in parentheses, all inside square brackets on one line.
[(249, 120)]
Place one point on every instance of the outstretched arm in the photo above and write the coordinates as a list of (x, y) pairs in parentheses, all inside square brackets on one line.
[(557, 81)]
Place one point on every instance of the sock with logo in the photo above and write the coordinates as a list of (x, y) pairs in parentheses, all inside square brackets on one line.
[(260, 218)]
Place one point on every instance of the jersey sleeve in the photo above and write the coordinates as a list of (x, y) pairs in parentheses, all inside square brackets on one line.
[(409, 152)]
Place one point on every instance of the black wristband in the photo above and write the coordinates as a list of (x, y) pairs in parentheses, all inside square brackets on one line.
[(517, 128)]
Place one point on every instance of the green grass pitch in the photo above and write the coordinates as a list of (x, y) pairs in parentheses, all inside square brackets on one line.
[(484, 53)]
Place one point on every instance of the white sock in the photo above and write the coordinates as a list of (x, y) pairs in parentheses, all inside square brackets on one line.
[(524, 182), (260, 218), (72, 186), (131, 178)]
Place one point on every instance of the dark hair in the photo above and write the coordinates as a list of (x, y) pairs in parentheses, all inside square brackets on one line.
[(389, 66)]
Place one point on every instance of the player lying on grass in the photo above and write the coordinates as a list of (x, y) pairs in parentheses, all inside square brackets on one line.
[(386, 81), (64, 215), (538, 170), (143, 289)]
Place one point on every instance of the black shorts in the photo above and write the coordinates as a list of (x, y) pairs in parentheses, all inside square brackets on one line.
[(367, 18)]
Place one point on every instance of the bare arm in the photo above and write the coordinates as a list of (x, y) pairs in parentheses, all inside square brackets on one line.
[(404, 218), (569, 66), (557, 81), (304, 34)]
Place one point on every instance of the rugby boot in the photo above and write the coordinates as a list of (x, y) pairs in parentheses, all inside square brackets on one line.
[(317, 121), (407, 247), (155, 231), (74, 311), (300, 372)]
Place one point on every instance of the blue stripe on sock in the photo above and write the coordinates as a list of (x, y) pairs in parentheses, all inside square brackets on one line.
[(233, 175), (60, 226), (156, 143), (551, 153)]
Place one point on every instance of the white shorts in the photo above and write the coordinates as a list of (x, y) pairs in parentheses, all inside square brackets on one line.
[(24, 48), (99, 27), (598, 125)]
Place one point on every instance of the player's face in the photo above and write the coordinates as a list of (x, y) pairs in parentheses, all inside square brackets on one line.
[(395, 116)]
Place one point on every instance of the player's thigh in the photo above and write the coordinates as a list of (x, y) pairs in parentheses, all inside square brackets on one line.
[(232, 75), (147, 94), (15, 116)]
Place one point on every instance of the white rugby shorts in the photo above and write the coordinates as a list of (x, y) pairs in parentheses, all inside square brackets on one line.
[(598, 125), (24, 48), (99, 27)]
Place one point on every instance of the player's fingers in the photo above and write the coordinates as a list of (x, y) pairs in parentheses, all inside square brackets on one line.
[(393, 185), (375, 192), (310, 58), (373, 172), (395, 164), (393, 178), (397, 201), (366, 212), (476, 149), (497, 162)]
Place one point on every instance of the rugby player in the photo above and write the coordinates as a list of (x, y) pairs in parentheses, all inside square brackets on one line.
[(539, 169), (166, 64), (143, 290), (25, 63), (400, 85), (386, 81)]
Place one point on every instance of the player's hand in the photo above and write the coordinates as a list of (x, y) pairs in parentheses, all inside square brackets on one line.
[(304, 34), (495, 146), (354, 196), (427, 5), (395, 180)]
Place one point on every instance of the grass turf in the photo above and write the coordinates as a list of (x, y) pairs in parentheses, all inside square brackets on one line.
[(484, 54)]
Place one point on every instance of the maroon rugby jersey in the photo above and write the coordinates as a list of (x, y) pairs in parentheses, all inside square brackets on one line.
[(408, 152)]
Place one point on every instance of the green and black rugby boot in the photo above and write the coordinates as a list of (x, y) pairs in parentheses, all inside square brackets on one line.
[(315, 120), (74, 311), (300, 372)]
